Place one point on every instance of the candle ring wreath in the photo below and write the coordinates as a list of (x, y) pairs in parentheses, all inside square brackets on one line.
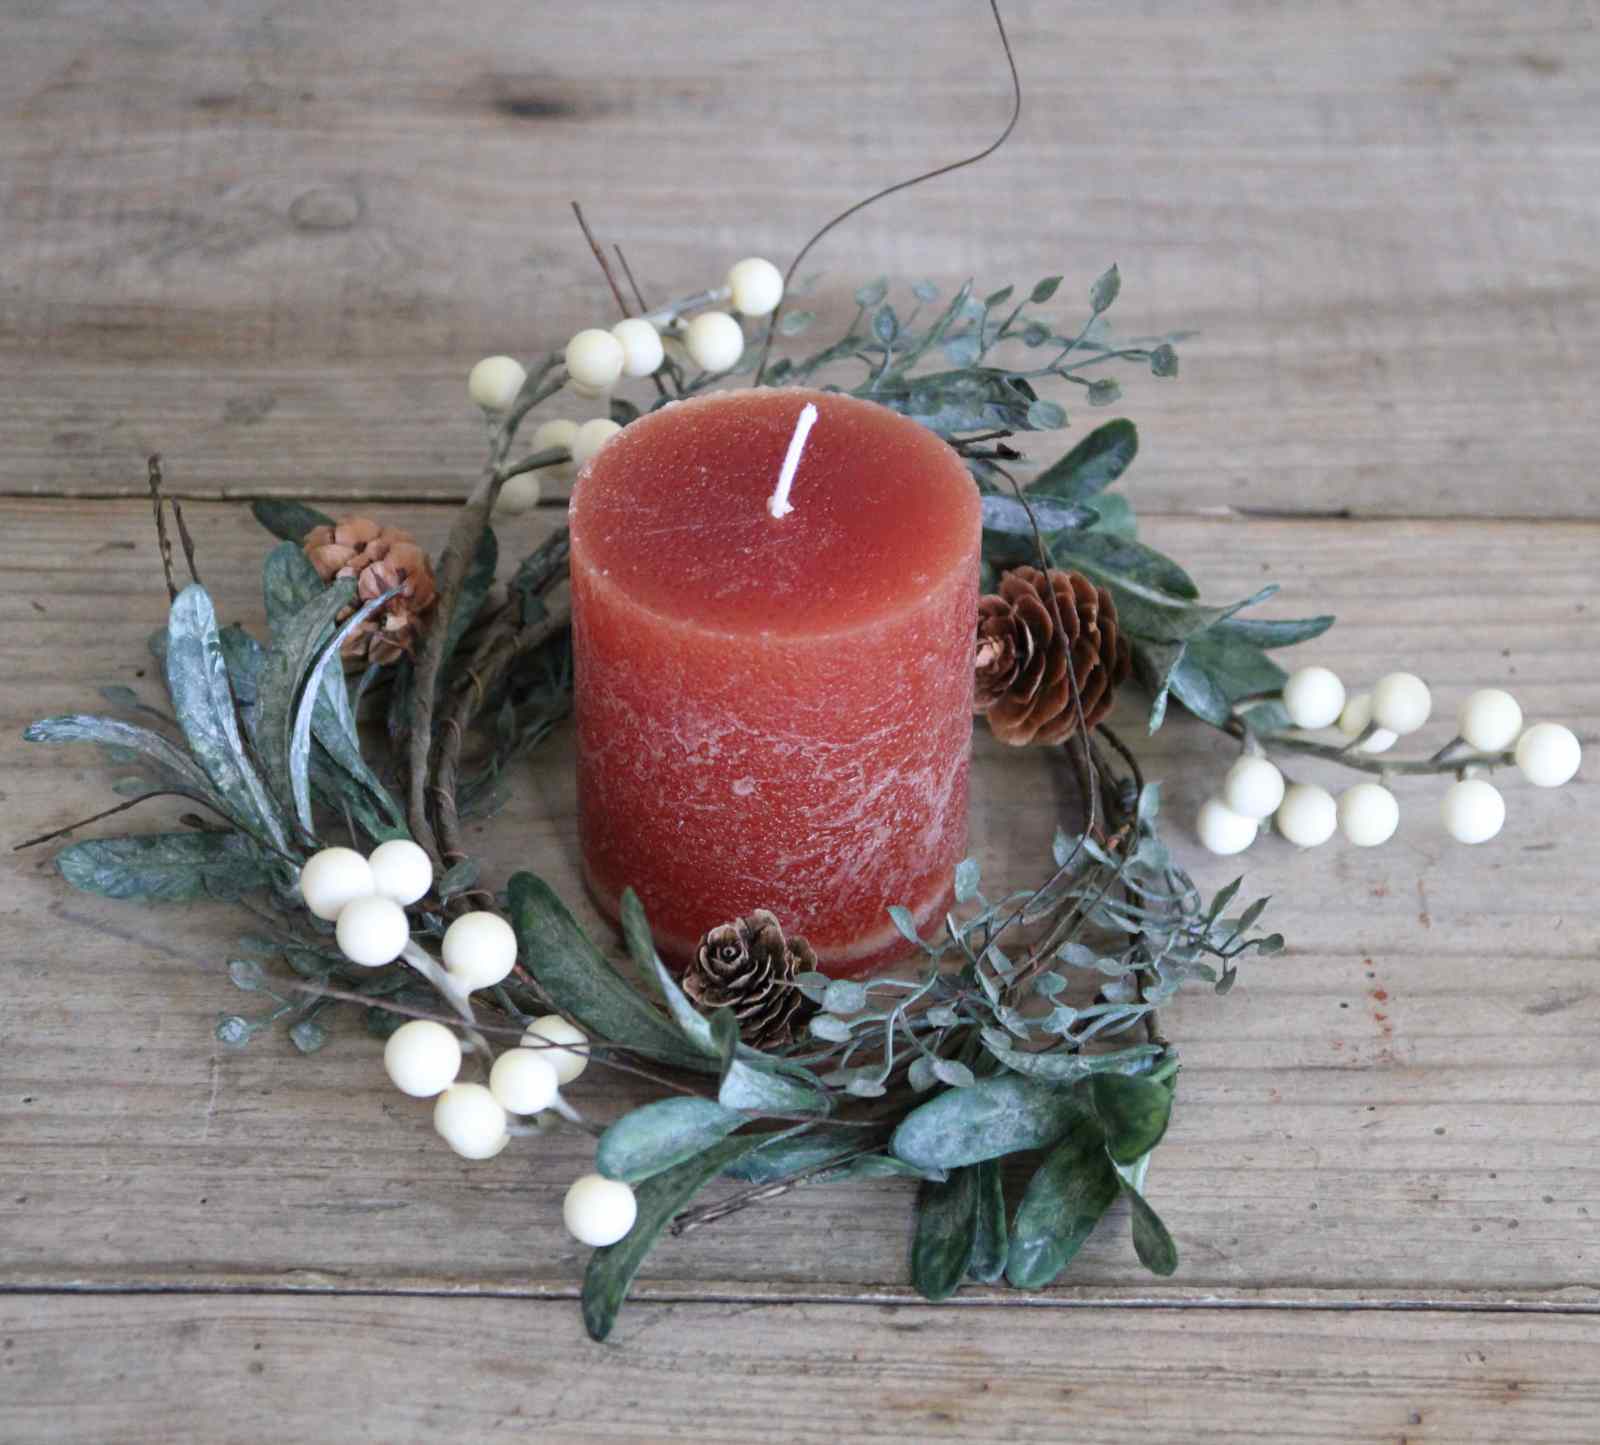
[(1027, 1027)]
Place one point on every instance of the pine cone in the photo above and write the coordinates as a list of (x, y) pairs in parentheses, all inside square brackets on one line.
[(1021, 660), (379, 558), (749, 966)]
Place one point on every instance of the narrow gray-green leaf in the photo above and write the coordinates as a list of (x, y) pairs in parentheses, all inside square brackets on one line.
[(1152, 1242), (1091, 466), (197, 678), (994, 1117), (582, 983), (1058, 1066), (989, 1244), (166, 867), (178, 766), (296, 645), (947, 1227), (1067, 1196), (311, 698), (289, 520), (657, 1136), (612, 1269)]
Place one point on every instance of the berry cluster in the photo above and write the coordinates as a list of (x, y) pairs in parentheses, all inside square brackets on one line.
[(596, 360), (1489, 732), (366, 899)]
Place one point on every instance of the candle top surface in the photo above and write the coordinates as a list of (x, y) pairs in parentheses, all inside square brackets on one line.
[(673, 512)]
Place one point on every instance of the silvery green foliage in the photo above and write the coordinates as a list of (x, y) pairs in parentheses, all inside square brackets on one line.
[(978, 1057)]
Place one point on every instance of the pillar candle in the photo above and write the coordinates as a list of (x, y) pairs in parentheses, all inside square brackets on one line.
[(774, 685)]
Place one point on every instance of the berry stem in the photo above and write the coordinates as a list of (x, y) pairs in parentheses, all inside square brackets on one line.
[(1444, 762)]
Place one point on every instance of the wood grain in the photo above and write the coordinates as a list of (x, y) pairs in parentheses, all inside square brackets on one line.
[(225, 1370), (1398, 1108), (269, 242)]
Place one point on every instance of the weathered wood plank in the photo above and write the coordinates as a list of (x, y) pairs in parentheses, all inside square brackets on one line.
[(1396, 1109), (269, 240), (167, 1368)]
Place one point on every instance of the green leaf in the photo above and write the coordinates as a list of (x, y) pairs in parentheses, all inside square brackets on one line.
[(1128, 558), (582, 983), (1007, 515), (989, 1245), (995, 1116), (828, 1028), (872, 293), (997, 298), (176, 765), (612, 1269), (1104, 291), (1044, 290), (844, 996), (1046, 415), (966, 886), (297, 644), (1114, 513), (313, 697), (288, 583), (1274, 634), (308, 1035), (1164, 360), (1059, 1067), (657, 1136), (1154, 663), (1067, 1196), (1133, 1112), (1104, 392), (167, 867), (1155, 1246), (1216, 668), (903, 920), (793, 1151), (289, 520), (1091, 466), (197, 678), (947, 1228)]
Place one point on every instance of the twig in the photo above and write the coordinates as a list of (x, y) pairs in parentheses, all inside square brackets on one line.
[(1371, 763), (184, 538), (638, 295), (691, 1219), (844, 215), (163, 541), (600, 256), (110, 812)]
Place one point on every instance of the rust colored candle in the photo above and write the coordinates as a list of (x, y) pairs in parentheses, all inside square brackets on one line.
[(774, 692)]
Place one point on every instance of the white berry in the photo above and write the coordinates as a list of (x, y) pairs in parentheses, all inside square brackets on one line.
[(1490, 720), (642, 352), (592, 435), (1308, 816), (1222, 830), (1473, 811), (1401, 702), (1368, 814), (1353, 722), (519, 494), (1253, 787), (715, 341), (757, 286), (422, 1058), (523, 1082), (557, 432), (553, 1029), (333, 878), (495, 382), (400, 870), (594, 358), (1313, 697), (372, 931), (599, 1211), (1548, 754), (471, 1121), (479, 949)]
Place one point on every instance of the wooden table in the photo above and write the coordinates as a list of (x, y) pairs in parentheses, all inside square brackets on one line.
[(268, 239)]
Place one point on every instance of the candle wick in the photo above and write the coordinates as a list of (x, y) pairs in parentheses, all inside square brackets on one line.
[(778, 502)]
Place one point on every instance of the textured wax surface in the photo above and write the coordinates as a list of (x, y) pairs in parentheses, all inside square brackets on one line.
[(775, 713), (677, 510)]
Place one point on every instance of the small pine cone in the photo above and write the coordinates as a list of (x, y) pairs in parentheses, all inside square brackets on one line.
[(749, 966), (379, 558), (1021, 660)]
